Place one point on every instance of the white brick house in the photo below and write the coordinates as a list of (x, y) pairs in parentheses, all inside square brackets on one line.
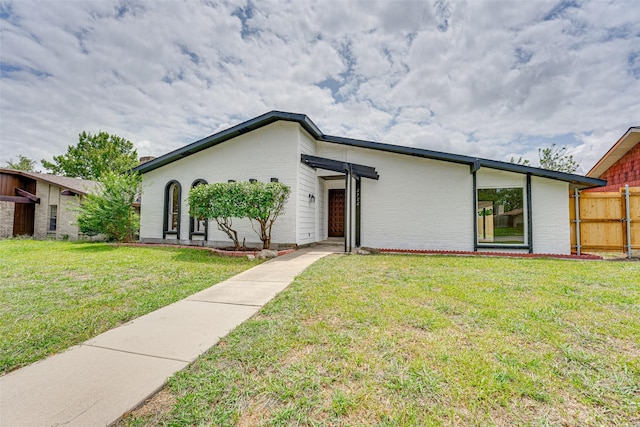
[(371, 194)]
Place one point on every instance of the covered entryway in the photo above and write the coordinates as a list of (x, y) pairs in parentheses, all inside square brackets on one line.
[(342, 203), (336, 213)]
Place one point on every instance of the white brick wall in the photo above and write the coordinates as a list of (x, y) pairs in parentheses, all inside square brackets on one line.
[(271, 151), (551, 226), (418, 203)]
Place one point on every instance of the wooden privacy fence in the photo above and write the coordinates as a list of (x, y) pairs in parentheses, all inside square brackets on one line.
[(602, 221)]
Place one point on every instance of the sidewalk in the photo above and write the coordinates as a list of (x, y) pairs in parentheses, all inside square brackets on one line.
[(94, 383)]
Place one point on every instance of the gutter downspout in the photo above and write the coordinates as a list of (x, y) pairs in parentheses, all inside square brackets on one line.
[(576, 201), (628, 218)]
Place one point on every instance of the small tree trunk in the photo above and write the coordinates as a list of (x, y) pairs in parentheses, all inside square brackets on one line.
[(264, 236), (233, 234)]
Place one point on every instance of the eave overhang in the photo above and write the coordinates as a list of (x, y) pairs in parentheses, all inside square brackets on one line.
[(475, 163), (629, 140)]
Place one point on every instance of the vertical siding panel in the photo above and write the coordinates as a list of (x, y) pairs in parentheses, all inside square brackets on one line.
[(307, 185)]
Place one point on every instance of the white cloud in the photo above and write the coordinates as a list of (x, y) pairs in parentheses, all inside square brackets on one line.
[(488, 78)]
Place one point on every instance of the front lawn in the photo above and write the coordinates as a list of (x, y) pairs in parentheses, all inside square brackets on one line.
[(57, 294), (396, 340)]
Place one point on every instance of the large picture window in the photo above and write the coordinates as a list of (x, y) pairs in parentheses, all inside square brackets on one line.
[(501, 216)]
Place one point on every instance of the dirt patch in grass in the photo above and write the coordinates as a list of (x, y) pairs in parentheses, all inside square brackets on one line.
[(152, 409)]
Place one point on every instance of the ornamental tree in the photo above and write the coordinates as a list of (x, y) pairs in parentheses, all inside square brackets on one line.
[(264, 203), (261, 203), (221, 202)]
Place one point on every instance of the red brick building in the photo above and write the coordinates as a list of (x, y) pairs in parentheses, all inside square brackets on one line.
[(621, 164)]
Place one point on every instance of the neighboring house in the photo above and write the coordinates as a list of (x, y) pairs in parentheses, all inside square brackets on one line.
[(621, 164), (371, 194), (40, 205)]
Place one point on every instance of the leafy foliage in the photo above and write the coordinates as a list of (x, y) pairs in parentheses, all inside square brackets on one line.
[(265, 202), (223, 201), (520, 161), (552, 158), (23, 164), (556, 158), (110, 210), (94, 156)]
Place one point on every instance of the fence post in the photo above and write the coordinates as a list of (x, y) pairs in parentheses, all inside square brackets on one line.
[(628, 218), (576, 201)]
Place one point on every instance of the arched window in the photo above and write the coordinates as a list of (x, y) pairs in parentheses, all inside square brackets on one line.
[(198, 227), (172, 207)]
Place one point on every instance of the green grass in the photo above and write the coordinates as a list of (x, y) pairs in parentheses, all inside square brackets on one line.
[(412, 340), (57, 294)]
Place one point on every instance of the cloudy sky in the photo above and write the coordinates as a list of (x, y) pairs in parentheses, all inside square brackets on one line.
[(493, 79)]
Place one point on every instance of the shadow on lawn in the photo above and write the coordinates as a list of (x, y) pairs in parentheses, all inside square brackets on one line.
[(203, 256), (93, 247)]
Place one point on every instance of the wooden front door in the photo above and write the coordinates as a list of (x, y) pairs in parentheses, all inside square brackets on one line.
[(23, 219), (336, 213)]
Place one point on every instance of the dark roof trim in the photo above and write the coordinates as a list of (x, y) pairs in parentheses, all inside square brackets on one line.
[(338, 166), (306, 123), (225, 135)]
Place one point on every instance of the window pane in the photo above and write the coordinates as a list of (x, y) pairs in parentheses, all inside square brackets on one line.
[(53, 217), (501, 216), (174, 203)]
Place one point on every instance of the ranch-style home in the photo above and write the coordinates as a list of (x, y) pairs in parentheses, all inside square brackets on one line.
[(370, 194)]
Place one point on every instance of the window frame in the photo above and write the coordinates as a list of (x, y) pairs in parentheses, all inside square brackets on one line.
[(193, 229), (527, 211), (53, 218), (169, 212), (493, 215)]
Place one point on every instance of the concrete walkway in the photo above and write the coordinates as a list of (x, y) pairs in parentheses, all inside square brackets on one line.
[(95, 383)]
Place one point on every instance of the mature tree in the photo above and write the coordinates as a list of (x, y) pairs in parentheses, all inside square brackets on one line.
[(220, 202), (258, 201), (23, 164), (556, 158), (109, 210), (265, 202), (94, 156)]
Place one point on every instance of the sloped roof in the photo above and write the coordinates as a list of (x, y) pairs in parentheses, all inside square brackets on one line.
[(77, 185), (630, 139), (475, 163)]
